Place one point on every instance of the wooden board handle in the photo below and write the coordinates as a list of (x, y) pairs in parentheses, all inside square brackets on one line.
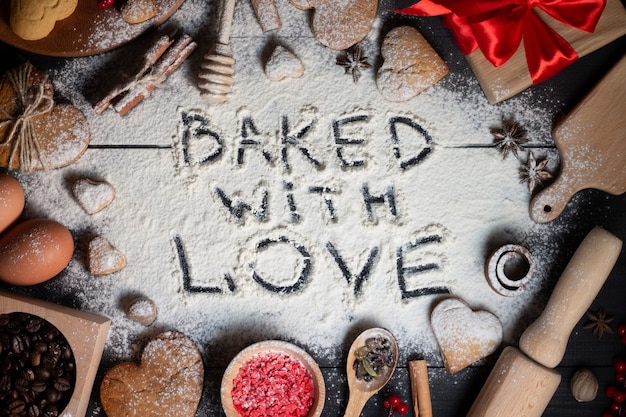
[(546, 339), (550, 202)]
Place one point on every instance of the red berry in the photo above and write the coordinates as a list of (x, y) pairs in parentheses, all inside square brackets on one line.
[(610, 391), (386, 404), (621, 330), (616, 408), (103, 4), (619, 365), (394, 401), (402, 408), (620, 377), (607, 414), (619, 397)]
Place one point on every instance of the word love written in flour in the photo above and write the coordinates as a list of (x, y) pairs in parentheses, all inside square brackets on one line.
[(315, 178)]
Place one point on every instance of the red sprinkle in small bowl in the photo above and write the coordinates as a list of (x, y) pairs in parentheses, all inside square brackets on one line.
[(297, 362)]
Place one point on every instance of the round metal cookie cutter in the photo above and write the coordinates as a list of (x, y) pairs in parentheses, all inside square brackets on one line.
[(509, 268)]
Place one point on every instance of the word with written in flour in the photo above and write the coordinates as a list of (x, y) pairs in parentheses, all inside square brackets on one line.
[(301, 169)]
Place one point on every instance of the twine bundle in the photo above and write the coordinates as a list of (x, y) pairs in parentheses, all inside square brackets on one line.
[(31, 102)]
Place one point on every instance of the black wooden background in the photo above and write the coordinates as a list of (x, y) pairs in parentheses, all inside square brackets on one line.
[(453, 395)]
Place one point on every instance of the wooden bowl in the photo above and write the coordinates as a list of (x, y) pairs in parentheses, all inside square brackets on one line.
[(88, 31), (85, 332), (273, 346)]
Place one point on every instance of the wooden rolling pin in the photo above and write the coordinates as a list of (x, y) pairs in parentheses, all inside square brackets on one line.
[(522, 384)]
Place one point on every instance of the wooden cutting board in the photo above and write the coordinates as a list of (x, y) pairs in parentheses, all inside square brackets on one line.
[(88, 31), (592, 144)]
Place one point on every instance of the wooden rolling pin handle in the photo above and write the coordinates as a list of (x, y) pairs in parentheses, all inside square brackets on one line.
[(545, 340)]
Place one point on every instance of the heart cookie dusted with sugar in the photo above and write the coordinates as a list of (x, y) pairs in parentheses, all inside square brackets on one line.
[(34, 19), (464, 336), (167, 382), (340, 24), (103, 257), (410, 65), (93, 196), (283, 64), (35, 132)]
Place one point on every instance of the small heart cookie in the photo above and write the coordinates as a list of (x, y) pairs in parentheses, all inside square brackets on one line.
[(104, 258), (464, 336), (283, 64), (167, 382), (340, 24), (410, 65), (93, 196)]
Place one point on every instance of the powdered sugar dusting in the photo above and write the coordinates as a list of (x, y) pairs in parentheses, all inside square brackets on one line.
[(298, 210)]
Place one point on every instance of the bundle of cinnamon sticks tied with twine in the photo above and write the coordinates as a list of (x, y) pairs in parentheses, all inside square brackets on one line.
[(163, 57)]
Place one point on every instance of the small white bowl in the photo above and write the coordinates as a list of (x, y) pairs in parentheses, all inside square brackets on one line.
[(267, 346)]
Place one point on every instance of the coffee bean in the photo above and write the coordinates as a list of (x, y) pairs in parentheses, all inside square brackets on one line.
[(38, 386), (53, 396), (62, 384), (43, 373), (51, 410), (49, 361), (17, 406), (17, 344), (33, 324), (35, 359), (33, 411), (22, 385)]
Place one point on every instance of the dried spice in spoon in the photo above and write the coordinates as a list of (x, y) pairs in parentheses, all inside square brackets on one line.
[(374, 359)]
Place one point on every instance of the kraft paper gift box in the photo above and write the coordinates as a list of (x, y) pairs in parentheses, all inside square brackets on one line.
[(513, 76)]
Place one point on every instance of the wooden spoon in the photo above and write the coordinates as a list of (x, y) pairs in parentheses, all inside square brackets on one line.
[(592, 144), (361, 390)]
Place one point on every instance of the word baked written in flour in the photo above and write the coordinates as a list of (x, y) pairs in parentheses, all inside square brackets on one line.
[(200, 143), (297, 280)]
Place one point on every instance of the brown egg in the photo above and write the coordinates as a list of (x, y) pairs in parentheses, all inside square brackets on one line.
[(34, 251), (11, 200)]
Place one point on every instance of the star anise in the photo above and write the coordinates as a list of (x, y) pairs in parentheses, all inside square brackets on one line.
[(534, 172), (509, 137), (354, 62), (600, 323)]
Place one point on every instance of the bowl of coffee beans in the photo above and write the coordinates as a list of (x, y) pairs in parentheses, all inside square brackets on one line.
[(49, 356), (37, 367)]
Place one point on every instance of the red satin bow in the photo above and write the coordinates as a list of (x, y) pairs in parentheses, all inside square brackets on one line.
[(497, 27)]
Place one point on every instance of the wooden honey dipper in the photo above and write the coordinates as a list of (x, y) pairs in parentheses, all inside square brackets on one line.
[(217, 68)]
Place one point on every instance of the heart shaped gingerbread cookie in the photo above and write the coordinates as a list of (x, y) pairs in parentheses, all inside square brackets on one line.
[(35, 132), (168, 382), (340, 24), (464, 336), (410, 65)]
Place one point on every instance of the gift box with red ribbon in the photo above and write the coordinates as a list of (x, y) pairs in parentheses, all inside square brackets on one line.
[(513, 44)]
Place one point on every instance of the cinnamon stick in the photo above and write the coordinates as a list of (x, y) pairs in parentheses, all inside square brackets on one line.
[(267, 14), (420, 388), (163, 68), (152, 55)]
